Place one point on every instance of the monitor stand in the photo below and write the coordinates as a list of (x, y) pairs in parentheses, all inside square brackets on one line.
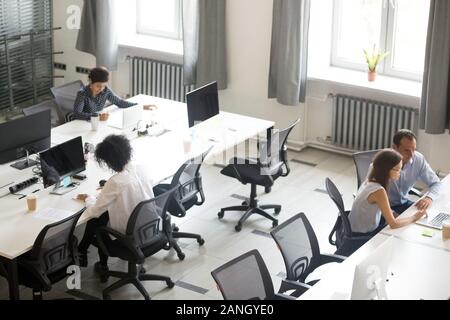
[(23, 164), (61, 189)]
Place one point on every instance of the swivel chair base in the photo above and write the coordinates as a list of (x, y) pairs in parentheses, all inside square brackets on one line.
[(251, 207), (133, 277), (176, 235)]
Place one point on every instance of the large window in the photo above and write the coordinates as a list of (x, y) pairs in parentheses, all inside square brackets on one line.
[(396, 26), (159, 18)]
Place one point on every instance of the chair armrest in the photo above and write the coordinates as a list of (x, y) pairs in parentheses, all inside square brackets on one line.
[(299, 287), (124, 240), (415, 192), (328, 258), (279, 296)]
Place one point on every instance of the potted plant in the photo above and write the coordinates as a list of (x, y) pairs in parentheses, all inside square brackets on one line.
[(373, 59)]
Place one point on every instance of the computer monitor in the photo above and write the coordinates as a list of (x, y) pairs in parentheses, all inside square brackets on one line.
[(202, 103), (371, 274), (61, 162), (23, 136)]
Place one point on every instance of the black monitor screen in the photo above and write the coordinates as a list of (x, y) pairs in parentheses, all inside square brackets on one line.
[(62, 161), (31, 133), (202, 103)]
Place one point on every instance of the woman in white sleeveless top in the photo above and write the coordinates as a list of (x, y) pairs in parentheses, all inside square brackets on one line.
[(372, 203)]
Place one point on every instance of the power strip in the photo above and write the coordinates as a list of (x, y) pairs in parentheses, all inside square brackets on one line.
[(23, 185)]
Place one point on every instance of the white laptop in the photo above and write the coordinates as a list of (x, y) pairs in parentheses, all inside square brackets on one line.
[(434, 221), (126, 118)]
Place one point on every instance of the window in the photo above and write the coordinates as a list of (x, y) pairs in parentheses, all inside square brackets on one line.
[(397, 26), (159, 18)]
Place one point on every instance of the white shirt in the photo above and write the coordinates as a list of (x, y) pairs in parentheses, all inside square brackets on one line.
[(120, 195), (364, 216)]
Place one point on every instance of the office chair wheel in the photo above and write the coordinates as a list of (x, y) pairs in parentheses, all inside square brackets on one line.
[(201, 241), (277, 211), (274, 223), (181, 256), (107, 297), (238, 227), (170, 284), (175, 228), (244, 203), (220, 214)]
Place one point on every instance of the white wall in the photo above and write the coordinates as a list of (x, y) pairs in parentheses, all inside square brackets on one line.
[(248, 36)]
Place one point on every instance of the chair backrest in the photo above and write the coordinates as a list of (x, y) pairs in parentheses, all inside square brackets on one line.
[(342, 223), (149, 219), (188, 181), (278, 142), (55, 246), (298, 245), (245, 277), (56, 115), (65, 96), (362, 162)]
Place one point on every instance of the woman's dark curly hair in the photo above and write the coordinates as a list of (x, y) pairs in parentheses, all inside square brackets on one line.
[(98, 74), (115, 151)]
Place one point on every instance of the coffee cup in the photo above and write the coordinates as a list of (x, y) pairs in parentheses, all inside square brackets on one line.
[(94, 121), (32, 202), (446, 230)]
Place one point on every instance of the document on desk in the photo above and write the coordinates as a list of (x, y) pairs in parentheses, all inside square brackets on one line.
[(52, 214)]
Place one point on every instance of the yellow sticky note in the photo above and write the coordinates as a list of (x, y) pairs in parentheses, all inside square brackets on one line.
[(427, 233)]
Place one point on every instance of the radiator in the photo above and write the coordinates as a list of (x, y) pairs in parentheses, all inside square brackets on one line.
[(157, 78), (360, 124)]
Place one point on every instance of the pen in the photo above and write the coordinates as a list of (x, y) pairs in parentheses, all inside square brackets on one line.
[(36, 190)]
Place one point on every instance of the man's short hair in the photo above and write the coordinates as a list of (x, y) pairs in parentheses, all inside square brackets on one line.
[(403, 133)]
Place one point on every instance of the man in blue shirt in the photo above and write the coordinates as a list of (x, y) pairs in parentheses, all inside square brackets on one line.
[(415, 167)]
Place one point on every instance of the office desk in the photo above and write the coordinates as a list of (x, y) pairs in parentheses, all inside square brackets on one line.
[(161, 155), (425, 262)]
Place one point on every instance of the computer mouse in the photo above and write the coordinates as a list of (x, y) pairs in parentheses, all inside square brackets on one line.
[(102, 183)]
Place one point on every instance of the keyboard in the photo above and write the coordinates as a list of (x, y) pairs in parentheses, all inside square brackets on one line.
[(437, 221)]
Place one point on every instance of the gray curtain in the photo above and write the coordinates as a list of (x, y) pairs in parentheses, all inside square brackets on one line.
[(289, 51), (435, 103), (97, 34), (204, 42)]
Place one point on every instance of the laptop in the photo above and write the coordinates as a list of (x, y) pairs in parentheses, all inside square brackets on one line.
[(126, 118), (434, 221)]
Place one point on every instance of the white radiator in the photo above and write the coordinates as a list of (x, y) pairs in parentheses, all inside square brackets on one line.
[(360, 124), (157, 78)]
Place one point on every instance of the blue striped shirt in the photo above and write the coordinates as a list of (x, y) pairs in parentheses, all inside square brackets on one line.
[(85, 104), (416, 169)]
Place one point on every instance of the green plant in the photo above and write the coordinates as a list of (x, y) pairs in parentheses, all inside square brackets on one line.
[(374, 58)]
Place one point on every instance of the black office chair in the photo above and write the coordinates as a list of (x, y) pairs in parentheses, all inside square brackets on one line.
[(300, 250), (189, 192), (148, 231), (247, 278), (362, 163), (54, 250), (263, 172), (65, 96), (341, 235), (363, 160), (46, 105)]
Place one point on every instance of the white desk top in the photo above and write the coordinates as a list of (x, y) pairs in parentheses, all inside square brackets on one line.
[(162, 155), (421, 263)]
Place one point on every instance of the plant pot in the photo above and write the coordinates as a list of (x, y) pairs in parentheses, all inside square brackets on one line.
[(371, 75)]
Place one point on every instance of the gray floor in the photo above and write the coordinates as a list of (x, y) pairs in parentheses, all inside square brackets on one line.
[(303, 190)]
